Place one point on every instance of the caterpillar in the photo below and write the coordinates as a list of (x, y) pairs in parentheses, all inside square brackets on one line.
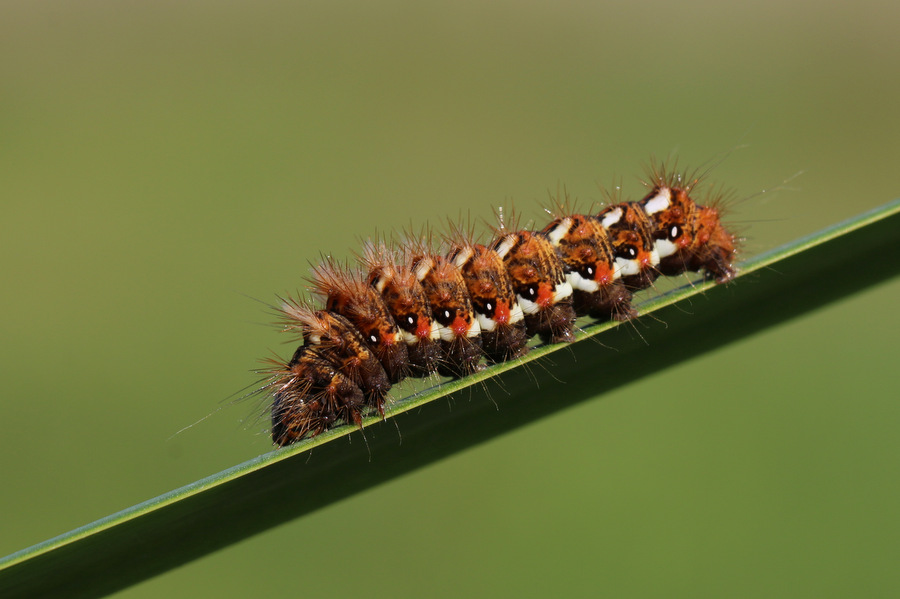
[(411, 310)]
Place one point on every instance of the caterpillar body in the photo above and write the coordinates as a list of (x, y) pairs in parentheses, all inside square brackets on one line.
[(413, 311)]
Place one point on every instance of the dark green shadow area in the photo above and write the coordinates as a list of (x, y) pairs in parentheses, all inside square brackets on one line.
[(207, 517)]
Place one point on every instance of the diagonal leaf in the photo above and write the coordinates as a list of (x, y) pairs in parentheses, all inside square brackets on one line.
[(169, 530)]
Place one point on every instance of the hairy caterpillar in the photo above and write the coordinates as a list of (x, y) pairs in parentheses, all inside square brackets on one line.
[(412, 310)]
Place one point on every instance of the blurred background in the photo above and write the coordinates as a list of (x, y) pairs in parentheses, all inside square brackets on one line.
[(163, 165)]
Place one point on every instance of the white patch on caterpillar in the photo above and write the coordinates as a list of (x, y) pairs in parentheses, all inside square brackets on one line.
[(659, 202), (474, 329), (486, 323), (380, 283), (462, 257), (627, 267), (508, 243), (447, 334), (665, 248), (580, 283), (409, 338), (435, 331), (527, 306), (611, 218), (423, 268), (654, 257), (562, 291), (516, 314), (559, 231)]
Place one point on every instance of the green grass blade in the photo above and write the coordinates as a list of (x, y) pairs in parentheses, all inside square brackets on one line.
[(170, 530)]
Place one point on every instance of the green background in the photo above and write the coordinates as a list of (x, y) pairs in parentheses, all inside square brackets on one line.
[(164, 164)]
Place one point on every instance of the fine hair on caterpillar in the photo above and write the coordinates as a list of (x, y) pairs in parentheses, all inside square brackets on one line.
[(422, 307)]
